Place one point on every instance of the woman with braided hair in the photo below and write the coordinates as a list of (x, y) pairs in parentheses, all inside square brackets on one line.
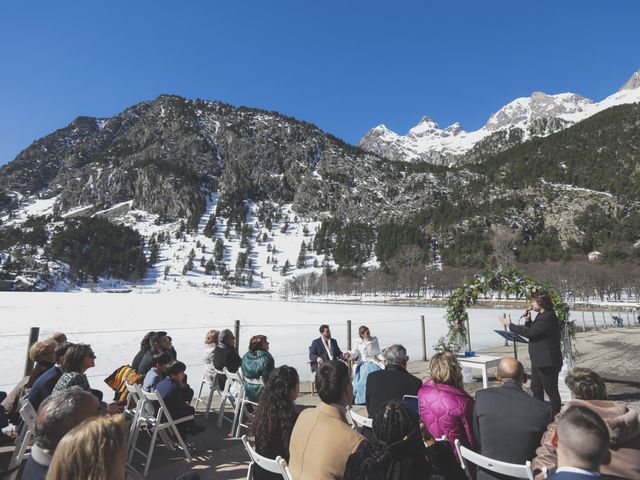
[(275, 417), (398, 451)]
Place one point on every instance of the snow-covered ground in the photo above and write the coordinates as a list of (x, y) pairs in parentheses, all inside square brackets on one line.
[(114, 324)]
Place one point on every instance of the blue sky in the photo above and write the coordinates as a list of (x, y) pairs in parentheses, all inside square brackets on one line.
[(346, 66)]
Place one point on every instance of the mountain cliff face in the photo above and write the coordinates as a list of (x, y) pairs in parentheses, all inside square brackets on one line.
[(539, 115), (167, 168)]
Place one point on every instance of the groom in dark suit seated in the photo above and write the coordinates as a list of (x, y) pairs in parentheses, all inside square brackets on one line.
[(323, 349), (507, 422)]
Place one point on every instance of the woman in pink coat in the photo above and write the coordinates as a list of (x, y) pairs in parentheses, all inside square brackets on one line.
[(445, 408)]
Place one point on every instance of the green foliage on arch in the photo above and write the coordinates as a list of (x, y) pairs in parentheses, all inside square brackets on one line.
[(499, 279)]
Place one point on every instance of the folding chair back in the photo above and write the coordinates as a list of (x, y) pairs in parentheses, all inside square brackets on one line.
[(28, 415), (279, 465), (234, 393), (509, 469), (161, 423), (210, 378), (358, 421)]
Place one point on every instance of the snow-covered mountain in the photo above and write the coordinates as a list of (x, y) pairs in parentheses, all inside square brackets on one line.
[(523, 118)]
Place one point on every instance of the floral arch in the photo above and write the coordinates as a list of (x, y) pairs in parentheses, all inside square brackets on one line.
[(500, 279)]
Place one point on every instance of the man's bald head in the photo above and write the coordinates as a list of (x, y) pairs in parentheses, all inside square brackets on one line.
[(511, 369)]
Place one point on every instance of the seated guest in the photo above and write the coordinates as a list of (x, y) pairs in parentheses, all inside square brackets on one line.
[(445, 408), (226, 355), (43, 354), (275, 417), (582, 443), (177, 396), (210, 343), (145, 345), (322, 440), (398, 450), (172, 351), (507, 422), (368, 359), (154, 376), (392, 383), (256, 363), (159, 343), (95, 449), (57, 415), (76, 361), (59, 337), (323, 349), (43, 387), (588, 390)]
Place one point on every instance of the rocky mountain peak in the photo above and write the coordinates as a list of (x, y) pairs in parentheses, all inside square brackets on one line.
[(632, 83), (424, 127)]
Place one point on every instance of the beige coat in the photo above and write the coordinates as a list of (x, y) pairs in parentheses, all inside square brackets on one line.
[(321, 443), (624, 429)]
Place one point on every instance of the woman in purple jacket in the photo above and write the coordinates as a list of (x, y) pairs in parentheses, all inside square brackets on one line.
[(445, 408)]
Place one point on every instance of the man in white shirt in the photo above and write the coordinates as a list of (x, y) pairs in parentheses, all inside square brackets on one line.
[(324, 349)]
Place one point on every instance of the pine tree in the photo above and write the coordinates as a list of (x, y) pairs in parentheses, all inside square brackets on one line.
[(268, 259), (227, 231), (268, 223), (202, 261), (302, 256), (209, 267), (192, 254), (285, 268), (250, 279), (153, 254), (264, 237), (305, 231), (218, 250), (285, 227), (210, 227), (167, 269), (315, 263)]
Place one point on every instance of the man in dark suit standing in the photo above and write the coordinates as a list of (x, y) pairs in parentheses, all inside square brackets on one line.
[(394, 382), (545, 352), (324, 349), (507, 422), (582, 443)]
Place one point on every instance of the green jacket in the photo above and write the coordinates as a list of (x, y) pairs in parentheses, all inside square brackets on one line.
[(254, 366)]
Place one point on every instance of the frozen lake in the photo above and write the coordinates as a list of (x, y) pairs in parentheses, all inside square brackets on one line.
[(114, 324)]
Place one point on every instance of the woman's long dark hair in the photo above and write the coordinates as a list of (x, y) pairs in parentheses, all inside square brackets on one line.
[(398, 451), (275, 414)]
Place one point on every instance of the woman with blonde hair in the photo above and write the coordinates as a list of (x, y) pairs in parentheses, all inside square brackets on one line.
[(94, 450), (445, 408)]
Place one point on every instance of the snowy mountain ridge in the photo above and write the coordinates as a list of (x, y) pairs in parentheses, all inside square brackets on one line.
[(538, 115)]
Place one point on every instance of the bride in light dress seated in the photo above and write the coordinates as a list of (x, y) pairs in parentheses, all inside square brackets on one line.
[(368, 359)]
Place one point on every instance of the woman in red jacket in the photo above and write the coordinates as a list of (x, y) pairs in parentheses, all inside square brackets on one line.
[(445, 408)]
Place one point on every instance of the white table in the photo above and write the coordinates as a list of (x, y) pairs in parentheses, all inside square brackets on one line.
[(480, 362)]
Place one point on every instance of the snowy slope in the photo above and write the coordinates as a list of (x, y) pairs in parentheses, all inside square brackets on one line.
[(428, 142)]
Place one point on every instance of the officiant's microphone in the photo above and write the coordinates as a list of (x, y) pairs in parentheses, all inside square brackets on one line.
[(526, 313)]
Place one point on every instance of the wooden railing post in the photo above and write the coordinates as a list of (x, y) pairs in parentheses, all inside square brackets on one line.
[(34, 333), (236, 332), (424, 339)]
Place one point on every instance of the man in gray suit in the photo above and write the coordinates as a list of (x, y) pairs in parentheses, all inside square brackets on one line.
[(507, 422)]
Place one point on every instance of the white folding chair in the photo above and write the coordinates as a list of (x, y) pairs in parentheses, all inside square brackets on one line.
[(358, 421), (279, 465), (233, 392), (509, 469), (244, 400), (27, 430), (162, 422), (209, 377)]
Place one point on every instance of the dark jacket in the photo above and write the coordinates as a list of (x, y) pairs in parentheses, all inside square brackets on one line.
[(254, 366), (544, 339), (43, 387), (393, 382), (137, 359), (225, 356), (508, 424), (176, 397), (572, 476), (317, 350)]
